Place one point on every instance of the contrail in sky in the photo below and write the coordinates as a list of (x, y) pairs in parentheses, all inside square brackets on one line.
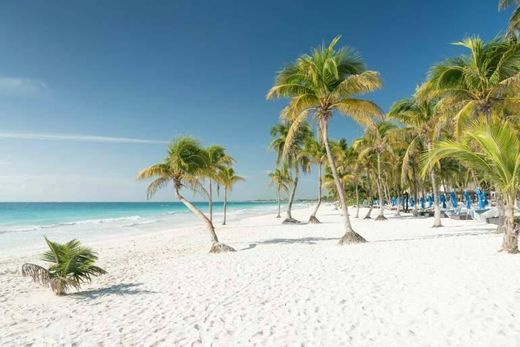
[(76, 137)]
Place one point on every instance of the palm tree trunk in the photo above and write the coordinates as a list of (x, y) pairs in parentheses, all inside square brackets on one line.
[(350, 235), (289, 218), (210, 201), (510, 243), (381, 215), (59, 287), (436, 199), (225, 206), (216, 246), (501, 213), (278, 198), (370, 200), (386, 190), (415, 188), (357, 200), (312, 218), (398, 212)]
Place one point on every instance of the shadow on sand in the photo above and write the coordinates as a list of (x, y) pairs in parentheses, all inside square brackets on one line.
[(304, 240), (440, 236), (316, 240), (117, 289)]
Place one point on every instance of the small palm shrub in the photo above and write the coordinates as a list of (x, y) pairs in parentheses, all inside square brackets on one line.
[(72, 265)]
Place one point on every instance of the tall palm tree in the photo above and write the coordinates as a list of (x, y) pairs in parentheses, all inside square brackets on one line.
[(320, 83), (281, 180), (425, 123), (72, 265), (186, 165), (291, 158), (315, 151), (486, 81), (228, 179), (218, 159), (377, 139), (514, 20), (492, 150)]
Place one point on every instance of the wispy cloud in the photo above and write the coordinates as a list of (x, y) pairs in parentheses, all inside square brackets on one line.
[(16, 85), (76, 137)]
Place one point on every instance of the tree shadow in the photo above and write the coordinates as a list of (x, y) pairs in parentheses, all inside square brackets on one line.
[(304, 240), (117, 289), (250, 246), (316, 240), (440, 236)]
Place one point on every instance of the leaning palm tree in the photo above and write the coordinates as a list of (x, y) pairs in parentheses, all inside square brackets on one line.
[(185, 166), (315, 151), (292, 159), (425, 122), (281, 180), (228, 179), (218, 159), (318, 84), (492, 150), (72, 265), (486, 81), (514, 20)]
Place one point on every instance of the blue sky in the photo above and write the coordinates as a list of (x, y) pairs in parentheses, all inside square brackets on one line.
[(83, 82)]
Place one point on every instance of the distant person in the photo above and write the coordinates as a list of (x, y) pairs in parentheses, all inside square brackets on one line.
[(405, 201)]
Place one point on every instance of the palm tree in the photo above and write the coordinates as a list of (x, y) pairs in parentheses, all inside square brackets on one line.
[(318, 84), (425, 123), (291, 159), (492, 150), (315, 151), (185, 166), (377, 139), (281, 180), (514, 20), (72, 265), (484, 82), (228, 179), (217, 160)]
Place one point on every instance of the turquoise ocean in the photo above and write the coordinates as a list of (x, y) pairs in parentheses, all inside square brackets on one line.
[(23, 224)]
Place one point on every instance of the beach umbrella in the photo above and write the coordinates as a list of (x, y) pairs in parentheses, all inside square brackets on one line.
[(482, 199), (467, 199), (443, 200), (453, 199), (422, 202)]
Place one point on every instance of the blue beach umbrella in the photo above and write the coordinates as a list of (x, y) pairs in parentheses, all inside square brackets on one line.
[(422, 202), (482, 199), (453, 199), (443, 200), (467, 199)]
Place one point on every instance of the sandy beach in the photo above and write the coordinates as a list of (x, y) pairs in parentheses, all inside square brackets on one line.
[(411, 285)]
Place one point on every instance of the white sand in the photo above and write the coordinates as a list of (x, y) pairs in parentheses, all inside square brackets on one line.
[(287, 285)]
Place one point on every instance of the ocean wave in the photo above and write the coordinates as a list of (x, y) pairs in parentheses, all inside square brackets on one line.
[(136, 220)]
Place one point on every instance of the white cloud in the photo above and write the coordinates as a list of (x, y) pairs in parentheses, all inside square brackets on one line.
[(76, 137), (15, 85)]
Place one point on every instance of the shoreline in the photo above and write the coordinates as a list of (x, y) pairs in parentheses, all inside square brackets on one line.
[(183, 229)]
